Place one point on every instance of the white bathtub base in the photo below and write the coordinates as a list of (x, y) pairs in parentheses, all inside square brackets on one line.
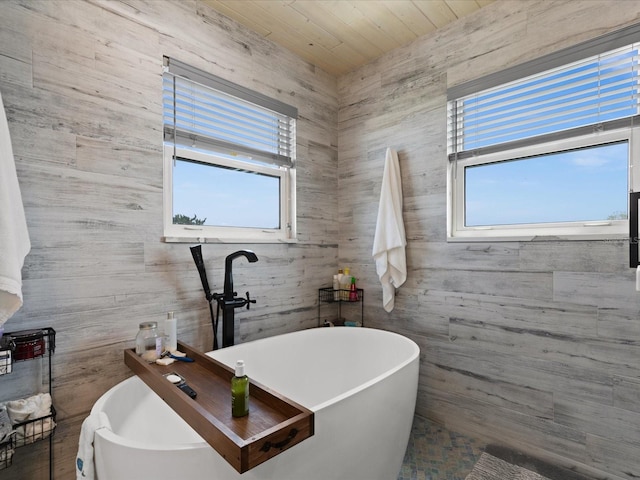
[(362, 436)]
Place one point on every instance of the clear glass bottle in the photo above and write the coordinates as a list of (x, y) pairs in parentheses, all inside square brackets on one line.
[(239, 391), (149, 342)]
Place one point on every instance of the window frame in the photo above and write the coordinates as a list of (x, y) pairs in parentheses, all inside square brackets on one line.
[(217, 234), (594, 230), (588, 135), (182, 142)]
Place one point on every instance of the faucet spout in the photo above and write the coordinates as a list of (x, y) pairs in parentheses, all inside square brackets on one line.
[(228, 270), (228, 300)]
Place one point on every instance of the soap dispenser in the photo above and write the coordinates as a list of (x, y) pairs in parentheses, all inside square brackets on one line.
[(239, 391)]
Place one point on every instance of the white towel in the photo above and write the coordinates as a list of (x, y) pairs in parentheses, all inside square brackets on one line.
[(14, 237), (85, 465), (30, 408), (34, 408), (389, 242)]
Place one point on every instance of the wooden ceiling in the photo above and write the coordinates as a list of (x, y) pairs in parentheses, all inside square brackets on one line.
[(341, 35)]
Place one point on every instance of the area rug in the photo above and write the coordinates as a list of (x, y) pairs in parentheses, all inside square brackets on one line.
[(489, 467)]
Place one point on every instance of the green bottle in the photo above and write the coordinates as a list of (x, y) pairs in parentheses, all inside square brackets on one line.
[(240, 392)]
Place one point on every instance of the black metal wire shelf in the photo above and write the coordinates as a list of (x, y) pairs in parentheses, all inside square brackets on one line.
[(7, 449), (18, 347), (329, 295), (338, 298), (30, 431)]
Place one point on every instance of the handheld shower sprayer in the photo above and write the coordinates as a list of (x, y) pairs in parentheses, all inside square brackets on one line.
[(196, 252)]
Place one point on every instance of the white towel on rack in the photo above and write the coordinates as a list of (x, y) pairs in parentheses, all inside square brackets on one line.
[(36, 408), (85, 464), (390, 241), (14, 237)]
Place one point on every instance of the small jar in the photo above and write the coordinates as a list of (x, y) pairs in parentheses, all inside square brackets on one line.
[(28, 344), (149, 342)]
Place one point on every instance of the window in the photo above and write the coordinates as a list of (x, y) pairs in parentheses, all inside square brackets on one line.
[(229, 161), (547, 154)]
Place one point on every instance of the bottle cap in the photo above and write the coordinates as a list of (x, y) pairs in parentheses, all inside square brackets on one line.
[(346, 271), (170, 316), (240, 368)]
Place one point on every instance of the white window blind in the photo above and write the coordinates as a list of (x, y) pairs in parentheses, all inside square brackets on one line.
[(600, 90), (201, 113)]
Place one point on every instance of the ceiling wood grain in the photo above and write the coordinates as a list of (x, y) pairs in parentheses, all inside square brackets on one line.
[(342, 35)]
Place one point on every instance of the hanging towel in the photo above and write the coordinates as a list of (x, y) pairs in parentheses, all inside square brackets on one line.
[(85, 465), (14, 237), (389, 242)]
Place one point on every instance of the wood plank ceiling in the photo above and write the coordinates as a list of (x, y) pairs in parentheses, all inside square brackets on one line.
[(341, 35)]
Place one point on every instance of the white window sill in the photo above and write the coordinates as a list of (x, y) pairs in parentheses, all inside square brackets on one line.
[(538, 238), (224, 240)]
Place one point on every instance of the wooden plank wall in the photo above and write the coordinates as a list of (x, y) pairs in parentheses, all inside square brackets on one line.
[(532, 345), (81, 83)]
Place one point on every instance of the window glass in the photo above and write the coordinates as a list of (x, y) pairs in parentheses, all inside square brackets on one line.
[(582, 185), (547, 149), (212, 195), (229, 161)]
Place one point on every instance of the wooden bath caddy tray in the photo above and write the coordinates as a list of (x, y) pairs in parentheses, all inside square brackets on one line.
[(273, 425)]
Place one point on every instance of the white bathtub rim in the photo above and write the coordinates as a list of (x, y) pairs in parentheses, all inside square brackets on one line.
[(113, 437), (363, 386)]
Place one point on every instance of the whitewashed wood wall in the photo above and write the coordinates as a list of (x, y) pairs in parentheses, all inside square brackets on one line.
[(531, 345), (81, 83)]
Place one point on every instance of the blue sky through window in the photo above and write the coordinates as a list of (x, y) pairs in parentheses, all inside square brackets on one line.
[(588, 184), (226, 197)]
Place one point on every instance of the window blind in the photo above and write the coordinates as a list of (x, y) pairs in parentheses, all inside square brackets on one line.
[(201, 116), (599, 91)]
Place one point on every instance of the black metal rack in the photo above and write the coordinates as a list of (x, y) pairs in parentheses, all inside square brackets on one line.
[(24, 346), (329, 296), (6, 451)]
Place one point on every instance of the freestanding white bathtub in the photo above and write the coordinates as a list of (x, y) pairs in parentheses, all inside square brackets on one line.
[(361, 384)]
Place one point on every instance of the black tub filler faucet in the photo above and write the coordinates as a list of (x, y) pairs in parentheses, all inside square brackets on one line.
[(227, 301)]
